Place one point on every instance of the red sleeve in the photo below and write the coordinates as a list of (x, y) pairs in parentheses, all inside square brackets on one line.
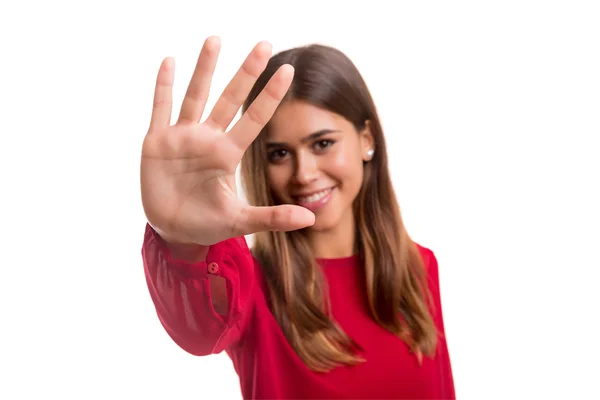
[(443, 356), (181, 293)]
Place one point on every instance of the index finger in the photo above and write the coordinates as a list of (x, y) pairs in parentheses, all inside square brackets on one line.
[(262, 108)]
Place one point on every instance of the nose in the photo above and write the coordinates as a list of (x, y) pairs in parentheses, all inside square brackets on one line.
[(306, 168)]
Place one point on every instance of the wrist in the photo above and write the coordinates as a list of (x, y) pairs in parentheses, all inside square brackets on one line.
[(181, 249)]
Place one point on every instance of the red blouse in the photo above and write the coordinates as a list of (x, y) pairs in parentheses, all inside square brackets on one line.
[(266, 364)]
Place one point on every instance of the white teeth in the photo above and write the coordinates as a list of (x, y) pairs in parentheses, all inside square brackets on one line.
[(314, 197)]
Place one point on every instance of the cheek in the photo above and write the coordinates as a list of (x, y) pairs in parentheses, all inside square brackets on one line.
[(346, 165), (278, 178)]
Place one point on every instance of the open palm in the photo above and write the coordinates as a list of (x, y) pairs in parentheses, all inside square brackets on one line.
[(187, 172)]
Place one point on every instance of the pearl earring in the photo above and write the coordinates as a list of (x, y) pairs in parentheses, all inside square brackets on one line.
[(370, 153)]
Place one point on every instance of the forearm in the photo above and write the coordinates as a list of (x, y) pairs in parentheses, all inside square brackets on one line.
[(197, 302)]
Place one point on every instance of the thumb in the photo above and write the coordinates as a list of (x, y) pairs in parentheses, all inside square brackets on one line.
[(275, 218)]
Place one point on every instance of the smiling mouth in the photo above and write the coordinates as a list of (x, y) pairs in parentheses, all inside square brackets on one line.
[(315, 200), (314, 197)]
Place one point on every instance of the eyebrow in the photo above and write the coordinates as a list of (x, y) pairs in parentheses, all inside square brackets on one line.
[(308, 138)]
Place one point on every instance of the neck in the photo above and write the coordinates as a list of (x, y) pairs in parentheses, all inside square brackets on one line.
[(337, 242)]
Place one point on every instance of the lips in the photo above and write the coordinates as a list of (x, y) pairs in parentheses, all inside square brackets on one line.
[(316, 196), (315, 200)]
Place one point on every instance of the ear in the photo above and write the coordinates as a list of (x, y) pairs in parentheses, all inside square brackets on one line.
[(367, 142)]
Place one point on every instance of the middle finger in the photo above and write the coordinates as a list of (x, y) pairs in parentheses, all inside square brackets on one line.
[(237, 90)]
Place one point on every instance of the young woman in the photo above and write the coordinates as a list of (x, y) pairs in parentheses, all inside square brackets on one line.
[(335, 300)]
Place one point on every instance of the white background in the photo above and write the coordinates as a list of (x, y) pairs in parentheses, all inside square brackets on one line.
[(492, 116)]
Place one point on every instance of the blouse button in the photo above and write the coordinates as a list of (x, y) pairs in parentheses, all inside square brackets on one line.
[(213, 268)]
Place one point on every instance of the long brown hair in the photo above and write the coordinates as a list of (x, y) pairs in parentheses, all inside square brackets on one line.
[(395, 278)]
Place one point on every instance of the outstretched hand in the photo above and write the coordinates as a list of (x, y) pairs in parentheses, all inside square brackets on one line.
[(187, 172)]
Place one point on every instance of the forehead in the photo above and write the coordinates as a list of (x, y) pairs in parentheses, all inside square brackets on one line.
[(295, 119)]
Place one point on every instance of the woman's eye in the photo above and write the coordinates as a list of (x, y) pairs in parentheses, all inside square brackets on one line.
[(277, 155), (323, 144)]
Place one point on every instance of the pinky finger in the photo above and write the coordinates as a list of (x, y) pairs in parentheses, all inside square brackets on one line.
[(163, 95)]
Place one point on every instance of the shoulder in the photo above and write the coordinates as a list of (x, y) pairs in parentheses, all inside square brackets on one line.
[(423, 249), (430, 262)]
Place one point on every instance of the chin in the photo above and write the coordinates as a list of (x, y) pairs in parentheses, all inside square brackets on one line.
[(322, 223)]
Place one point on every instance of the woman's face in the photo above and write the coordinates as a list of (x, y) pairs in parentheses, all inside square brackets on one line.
[(315, 160)]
